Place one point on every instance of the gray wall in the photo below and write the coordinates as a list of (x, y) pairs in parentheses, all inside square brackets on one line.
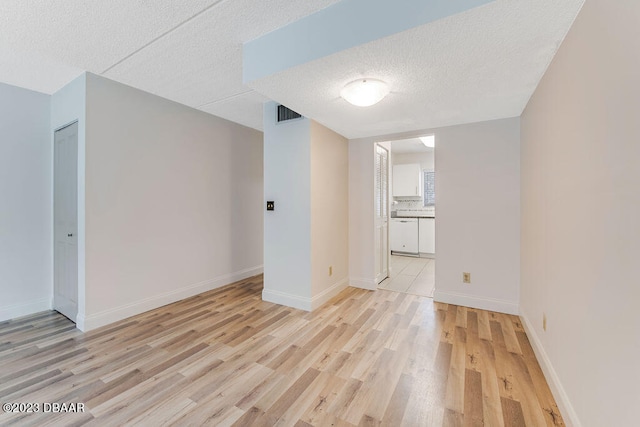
[(173, 201), (26, 214), (580, 217)]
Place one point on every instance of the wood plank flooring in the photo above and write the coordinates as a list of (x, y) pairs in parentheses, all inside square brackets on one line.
[(226, 358)]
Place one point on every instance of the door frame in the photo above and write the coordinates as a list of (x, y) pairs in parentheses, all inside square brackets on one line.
[(387, 259), (53, 216)]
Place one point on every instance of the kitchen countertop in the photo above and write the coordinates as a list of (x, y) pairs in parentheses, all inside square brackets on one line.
[(413, 216)]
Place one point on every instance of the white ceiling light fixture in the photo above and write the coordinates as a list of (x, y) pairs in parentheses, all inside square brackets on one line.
[(364, 92), (428, 141)]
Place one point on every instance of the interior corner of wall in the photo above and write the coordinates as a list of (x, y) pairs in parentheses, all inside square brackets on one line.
[(324, 296), (289, 300), (81, 322), (560, 395), (474, 301), (363, 283)]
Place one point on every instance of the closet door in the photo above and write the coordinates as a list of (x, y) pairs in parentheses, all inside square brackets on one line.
[(65, 217)]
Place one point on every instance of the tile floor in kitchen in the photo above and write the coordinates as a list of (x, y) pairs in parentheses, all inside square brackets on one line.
[(411, 275)]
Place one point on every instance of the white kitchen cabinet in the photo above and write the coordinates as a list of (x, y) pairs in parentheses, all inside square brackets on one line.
[(403, 235), (427, 235), (407, 180)]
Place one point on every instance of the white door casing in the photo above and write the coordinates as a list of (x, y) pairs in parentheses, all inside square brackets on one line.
[(65, 217), (381, 213)]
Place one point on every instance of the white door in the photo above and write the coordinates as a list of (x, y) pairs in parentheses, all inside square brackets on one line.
[(65, 219), (382, 213)]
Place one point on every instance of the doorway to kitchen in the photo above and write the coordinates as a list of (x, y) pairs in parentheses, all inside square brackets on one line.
[(412, 216), (381, 213)]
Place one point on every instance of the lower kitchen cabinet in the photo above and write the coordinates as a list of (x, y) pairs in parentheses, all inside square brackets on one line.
[(427, 235)]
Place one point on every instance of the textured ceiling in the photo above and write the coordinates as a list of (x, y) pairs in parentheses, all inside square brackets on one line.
[(478, 65), (189, 52)]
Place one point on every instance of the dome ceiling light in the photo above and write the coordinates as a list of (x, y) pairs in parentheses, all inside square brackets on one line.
[(364, 92)]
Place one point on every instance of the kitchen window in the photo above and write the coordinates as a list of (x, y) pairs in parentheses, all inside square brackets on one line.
[(429, 186)]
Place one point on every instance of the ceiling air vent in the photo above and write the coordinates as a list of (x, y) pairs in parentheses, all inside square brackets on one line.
[(285, 114)]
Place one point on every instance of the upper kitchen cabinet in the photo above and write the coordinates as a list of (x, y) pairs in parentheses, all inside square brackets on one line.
[(407, 180)]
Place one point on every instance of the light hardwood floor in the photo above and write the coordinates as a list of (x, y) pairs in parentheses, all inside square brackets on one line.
[(411, 275), (227, 358)]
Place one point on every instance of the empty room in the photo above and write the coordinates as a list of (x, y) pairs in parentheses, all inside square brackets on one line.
[(327, 213)]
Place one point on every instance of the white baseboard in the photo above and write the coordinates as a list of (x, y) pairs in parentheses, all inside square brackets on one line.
[(329, 293), (282, 298), (491, 304), (24, 309), (569, 415), (304, 303), (362, 283), (92, 321)]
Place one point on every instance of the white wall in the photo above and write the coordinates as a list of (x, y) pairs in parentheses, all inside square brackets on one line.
[(580, 217), (67, 106), (478, 220), (426, 159), (26, 216), (361, 214), (306, 175), (329, 213), (287, 236), (173, 201)]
